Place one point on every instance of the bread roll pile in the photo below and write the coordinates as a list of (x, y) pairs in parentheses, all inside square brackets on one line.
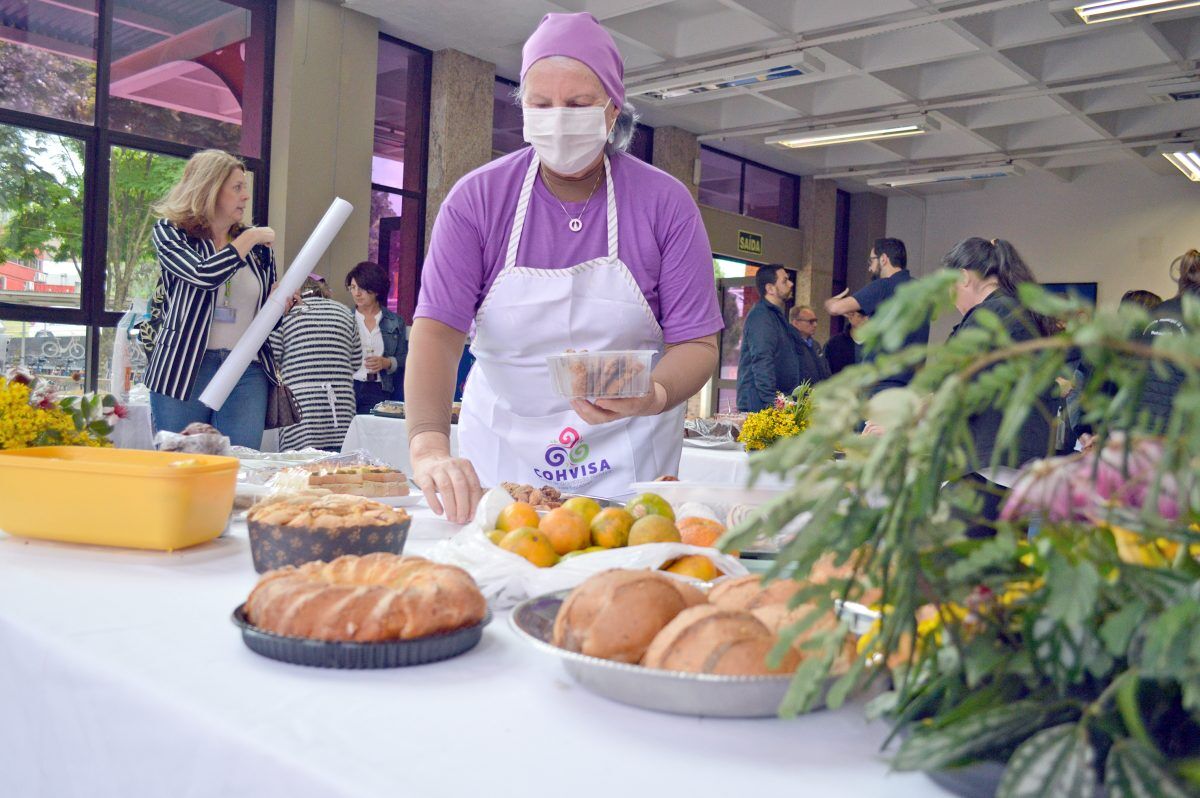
[(648, 618)]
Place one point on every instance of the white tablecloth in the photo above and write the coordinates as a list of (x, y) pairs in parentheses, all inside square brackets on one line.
[(121, 675), (387, 440)]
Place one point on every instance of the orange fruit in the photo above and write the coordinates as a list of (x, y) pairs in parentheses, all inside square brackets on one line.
[(531, 544), (586, 507), (653, 529), (517, 515), (566, 530), (578, 552), (496, 535), (696, 566), (697, 531), (650, 504), (610, 528)]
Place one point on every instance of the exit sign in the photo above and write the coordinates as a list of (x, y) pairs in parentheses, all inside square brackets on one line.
[(750, 242)]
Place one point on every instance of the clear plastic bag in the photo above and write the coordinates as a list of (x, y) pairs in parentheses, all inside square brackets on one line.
[(506, 579), (206, 443)]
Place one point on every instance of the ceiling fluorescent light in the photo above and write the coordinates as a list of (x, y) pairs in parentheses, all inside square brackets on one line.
[(747, 72), (1175, 90), (1109, 10), (947, 176), (1184, 157), (883, 129)]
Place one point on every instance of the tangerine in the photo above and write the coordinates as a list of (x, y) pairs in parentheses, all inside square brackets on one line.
[(517, 515), (653, 529), (566, 530), (650, 504), (531, 544), (696, 566), (496, 535), (586, 507), (610, 528)]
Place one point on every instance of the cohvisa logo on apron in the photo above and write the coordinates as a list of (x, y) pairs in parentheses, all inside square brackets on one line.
[(568, 459)]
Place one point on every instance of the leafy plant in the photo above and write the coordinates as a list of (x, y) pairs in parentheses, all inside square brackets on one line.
[(1064, 646)]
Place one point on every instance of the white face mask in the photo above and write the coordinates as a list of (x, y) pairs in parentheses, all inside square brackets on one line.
[(566, 139)]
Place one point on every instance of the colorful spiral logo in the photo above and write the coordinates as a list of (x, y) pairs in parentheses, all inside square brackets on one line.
[(570, 446)]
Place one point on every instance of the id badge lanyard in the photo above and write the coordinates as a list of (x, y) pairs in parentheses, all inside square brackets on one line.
[(226, 313)]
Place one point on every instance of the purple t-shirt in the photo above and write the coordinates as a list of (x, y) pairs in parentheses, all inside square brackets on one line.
[(661, 238)]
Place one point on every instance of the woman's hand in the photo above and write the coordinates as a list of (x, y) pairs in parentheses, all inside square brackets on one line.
[(375, 363), (603, 411), (450, 485), (288, 302)]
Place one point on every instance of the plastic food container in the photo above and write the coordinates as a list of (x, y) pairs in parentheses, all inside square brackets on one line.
[(116, 497), (601, 375)]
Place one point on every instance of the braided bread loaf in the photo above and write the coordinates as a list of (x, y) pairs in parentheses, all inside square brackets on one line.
[(370, 598)]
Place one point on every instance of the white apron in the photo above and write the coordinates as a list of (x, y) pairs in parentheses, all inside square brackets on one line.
[(512, 426)]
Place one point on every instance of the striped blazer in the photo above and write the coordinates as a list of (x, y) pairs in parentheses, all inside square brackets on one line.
[(191, 272)]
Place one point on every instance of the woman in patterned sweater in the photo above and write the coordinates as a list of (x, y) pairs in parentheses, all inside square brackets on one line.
[(317, 349)]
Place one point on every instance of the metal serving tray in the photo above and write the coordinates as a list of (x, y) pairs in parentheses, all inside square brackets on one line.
[(680, 693)]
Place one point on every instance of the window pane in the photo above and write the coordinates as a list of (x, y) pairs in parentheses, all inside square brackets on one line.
[(720, 181), (188, 72), (56, 352), (508, 127), (400, 104), (135, 360), (394, 244), (48, 58), (770, 196), (136, 180), (41, 218)]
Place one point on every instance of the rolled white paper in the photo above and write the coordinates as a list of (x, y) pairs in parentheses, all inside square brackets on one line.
[(246, 349)]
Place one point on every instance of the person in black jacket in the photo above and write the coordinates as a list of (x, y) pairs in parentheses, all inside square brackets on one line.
[(770, 361), (1158, 394), (842, 350), (991, 272)]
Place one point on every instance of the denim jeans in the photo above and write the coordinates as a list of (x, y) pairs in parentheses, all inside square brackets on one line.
[(242, 416)]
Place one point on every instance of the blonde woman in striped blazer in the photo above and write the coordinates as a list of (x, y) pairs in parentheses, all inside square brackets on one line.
[(215, 276)]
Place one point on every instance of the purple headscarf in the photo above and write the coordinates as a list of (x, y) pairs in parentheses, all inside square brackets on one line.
[(581, 37)]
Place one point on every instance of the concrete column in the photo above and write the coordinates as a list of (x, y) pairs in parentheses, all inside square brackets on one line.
[(675, 152), (460, 124), (868, 221), (322, 131), (818, 220)]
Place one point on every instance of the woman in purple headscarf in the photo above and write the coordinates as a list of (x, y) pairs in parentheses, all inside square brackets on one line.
[(567, 244)]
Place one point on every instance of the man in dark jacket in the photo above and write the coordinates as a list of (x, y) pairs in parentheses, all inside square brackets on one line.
[(771, 361), (812, 354)]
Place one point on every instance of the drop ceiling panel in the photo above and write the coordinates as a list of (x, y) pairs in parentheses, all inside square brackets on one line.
[(902, 48), (1183, 34), (1166, 118), (947, 143), (1107, 53), (1049, 132), (1011, 112), (1023, 24), (837, 96), (970, 74), (687, 27)]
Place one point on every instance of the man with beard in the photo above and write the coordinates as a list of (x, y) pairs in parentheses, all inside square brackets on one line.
[(888, 267)]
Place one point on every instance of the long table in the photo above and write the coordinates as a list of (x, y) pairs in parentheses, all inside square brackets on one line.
[(121, 675), (387, 439)]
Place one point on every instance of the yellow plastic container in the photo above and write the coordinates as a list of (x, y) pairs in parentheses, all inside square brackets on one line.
[(115, 497)]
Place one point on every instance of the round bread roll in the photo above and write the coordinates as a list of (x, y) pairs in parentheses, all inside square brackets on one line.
[(748, 592), (709, 639), (371, 598), (616, 613)]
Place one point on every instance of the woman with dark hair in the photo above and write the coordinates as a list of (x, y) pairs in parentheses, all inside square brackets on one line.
[(1158, 393), (991, 274), (382, 335)]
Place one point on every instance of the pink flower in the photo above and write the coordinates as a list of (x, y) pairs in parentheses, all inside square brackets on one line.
[(20, 376), (119, 410), (780, 402), (1050, 488)]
